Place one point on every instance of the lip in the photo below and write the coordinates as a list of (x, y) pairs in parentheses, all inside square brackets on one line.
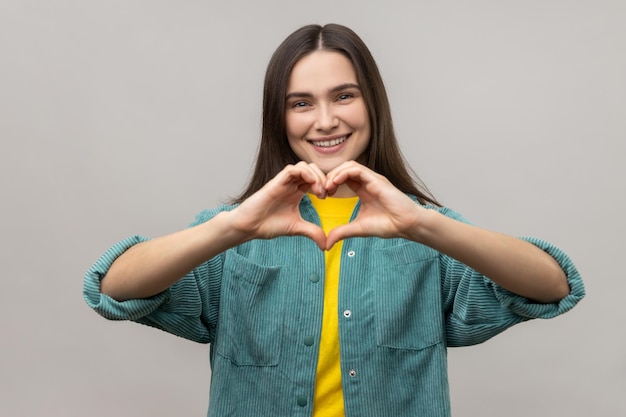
[(325, 138), (329, 149)]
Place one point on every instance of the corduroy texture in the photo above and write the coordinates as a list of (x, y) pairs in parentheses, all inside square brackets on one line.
[(259, 303)]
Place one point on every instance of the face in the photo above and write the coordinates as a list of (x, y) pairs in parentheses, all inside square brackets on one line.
[(326, 117)]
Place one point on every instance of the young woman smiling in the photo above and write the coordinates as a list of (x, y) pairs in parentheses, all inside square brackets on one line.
[(333, 285)]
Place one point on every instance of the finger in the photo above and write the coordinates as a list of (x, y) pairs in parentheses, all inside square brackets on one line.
[(342, 232), (350, 173), (319, 189), (313, 232), (313, 176)]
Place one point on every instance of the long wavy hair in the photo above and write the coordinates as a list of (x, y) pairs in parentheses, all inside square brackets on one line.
[(383, 154)]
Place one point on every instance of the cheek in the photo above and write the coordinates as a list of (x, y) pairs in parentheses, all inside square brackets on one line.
[(288, 125), (293, 129), (357, 117), (295, 125)]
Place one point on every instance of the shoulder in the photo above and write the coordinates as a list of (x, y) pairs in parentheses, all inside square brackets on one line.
[(208, 214), (446, 211)]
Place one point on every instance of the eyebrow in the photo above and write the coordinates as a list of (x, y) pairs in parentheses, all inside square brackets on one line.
[(332, 90)]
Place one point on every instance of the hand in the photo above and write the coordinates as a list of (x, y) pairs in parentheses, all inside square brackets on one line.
[(274, 209), (385, 211)]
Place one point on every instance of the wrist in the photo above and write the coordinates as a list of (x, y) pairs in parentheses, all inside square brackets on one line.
[(423, 228), (229, 230)]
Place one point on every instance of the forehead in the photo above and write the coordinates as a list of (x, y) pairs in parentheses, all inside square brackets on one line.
[(320, 71)]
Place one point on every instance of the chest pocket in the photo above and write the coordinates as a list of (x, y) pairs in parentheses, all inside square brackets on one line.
[(408, 297), (251, 313)]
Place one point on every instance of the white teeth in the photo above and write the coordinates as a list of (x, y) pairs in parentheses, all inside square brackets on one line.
[(329, 143)]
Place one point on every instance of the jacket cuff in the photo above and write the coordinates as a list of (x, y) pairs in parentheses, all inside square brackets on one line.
[(532, 309), (107, 306)]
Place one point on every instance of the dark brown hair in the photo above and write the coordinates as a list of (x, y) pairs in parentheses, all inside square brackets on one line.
[(383, 153)]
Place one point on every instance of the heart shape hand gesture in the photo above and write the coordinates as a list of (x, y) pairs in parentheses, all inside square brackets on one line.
[(274, 211)]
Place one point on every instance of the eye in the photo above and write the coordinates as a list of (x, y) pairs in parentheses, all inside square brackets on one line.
[(299, 104), (345, 96)]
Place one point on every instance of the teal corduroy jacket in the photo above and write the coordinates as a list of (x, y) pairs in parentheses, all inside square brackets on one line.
[(259, 305)]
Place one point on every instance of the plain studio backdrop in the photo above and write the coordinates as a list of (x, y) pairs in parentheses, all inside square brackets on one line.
[(129, 117)]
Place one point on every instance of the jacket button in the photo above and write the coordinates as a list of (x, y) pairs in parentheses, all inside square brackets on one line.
[(309, 340), (314, 277), (301, 401)]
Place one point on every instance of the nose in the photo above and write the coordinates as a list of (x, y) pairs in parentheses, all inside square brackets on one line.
[(326, 120)]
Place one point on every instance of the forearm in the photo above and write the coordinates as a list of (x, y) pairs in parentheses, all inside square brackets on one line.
[(152, 266), (512, 263)]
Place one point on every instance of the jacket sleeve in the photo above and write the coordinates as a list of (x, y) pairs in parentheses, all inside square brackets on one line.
[(189, 308), (477, 309)]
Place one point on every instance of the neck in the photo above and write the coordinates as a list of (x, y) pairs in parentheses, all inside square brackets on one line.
[(343, 191)]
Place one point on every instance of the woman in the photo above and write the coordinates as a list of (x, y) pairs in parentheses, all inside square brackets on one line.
[(333, 285)]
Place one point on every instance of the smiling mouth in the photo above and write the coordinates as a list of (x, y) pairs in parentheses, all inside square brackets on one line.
[(328, 143)]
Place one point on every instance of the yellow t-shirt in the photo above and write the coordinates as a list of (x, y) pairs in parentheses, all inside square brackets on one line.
[(328, 398)]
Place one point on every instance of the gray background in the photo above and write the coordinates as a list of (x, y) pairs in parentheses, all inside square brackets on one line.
[(124, 117)]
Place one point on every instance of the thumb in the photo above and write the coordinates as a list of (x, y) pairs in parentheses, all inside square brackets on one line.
[(341, 232), (313, 232)]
